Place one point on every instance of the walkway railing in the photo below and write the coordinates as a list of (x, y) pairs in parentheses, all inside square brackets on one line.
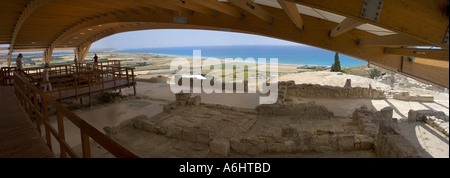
[(28, 95), (6, 76)]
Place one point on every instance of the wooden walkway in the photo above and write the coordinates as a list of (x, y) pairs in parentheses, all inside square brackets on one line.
[(19, 137)]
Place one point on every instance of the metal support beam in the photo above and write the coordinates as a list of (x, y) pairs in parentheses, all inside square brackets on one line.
[(292, 11), (437, 54), (344, 26), (392, 40)]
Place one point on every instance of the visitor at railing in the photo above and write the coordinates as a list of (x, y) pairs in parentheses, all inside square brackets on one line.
[(46, 78), (19, 61)]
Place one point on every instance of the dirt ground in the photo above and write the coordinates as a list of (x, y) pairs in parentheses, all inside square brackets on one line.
[(152, 96)]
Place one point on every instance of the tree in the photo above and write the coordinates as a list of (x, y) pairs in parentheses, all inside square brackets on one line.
[(336, 67)]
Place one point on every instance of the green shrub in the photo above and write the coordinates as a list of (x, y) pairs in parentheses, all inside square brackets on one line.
[(374, 73)]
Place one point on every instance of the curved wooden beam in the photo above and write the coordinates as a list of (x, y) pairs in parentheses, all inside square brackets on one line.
[(292, 11), (345, 26), (392, 40), (31, 7), (413, 21), (436, 54), (218, 6), (253, 8), (283, 29)]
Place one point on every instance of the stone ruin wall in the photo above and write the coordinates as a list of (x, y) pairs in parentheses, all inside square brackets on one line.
[(315, 129), (437, 119), (405, 96), (319, 91)]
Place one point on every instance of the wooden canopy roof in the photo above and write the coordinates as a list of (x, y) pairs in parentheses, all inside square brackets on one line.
[(385, 33)]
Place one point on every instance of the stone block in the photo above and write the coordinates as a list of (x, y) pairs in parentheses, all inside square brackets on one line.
[(273, 147), (346, 142), (182, 96), (367, 143), (181, 102), (350, 128), (236, 145), (387, 113), (148, 126), (339, 129), (196, 100), (204, 136), (289, 131), (189, 135), (303, 142), (347, 122), (160, 130), (289, 146), (324, 129), (426, 98), (253, 146), (174, 132), (138, 124), (321, 140), (370, 129), (292, 92), (220, 146), (402, 96)]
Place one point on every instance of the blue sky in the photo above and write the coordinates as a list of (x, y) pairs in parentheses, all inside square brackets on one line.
[(179, 38)]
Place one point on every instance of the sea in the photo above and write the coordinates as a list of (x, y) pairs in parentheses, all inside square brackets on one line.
[(289, 54)]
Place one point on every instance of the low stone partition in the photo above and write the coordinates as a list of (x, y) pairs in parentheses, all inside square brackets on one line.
[(437, 119), (212, 82), (420, 115), (300, 141), (390, 144), (307, 110), (380, 126), (405, 96), (369, 121), (320, 91)]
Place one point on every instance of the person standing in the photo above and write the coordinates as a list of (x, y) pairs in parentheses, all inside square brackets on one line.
[(95, 61), (19, 61), (95, 58), (75, 61), (47, 84)]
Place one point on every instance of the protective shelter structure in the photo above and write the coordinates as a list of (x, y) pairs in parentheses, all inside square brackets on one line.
[(410, 37)]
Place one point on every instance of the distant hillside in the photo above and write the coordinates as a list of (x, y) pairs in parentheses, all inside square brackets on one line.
[(363, 70)]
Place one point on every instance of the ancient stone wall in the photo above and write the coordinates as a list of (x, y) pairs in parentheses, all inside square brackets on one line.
[(437, 119), (405, 96), (390, 144), (307, 110), (319, 91), (381, 127), (369, 121)]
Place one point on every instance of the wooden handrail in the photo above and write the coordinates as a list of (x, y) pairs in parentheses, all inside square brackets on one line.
[(24, 89)]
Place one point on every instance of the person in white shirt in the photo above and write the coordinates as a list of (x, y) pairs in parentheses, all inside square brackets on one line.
[(46, 78)]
